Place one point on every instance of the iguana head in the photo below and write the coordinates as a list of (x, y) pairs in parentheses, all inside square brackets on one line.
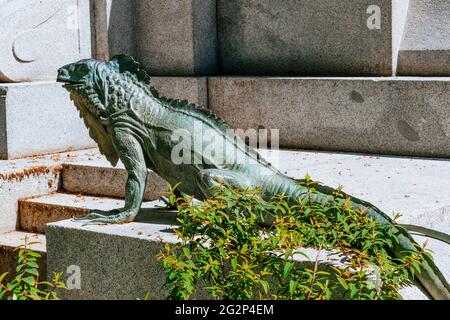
[(78, 73), (88, 80)]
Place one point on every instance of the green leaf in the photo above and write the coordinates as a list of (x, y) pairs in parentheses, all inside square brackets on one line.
[(234, 263), (353, 290), (265, 286), (29, 280), (292, 286), (287, 268), (32, 271), (417, 265), (343, 283), (3, 276), (187, 252), (34, 254)]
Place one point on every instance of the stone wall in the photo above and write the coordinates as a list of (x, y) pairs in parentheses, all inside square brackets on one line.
[(228, 37), (185, 40), (306, 37), (294, 37), (38, 37)]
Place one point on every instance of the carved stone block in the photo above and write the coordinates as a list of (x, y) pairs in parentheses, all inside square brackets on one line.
[(373, 115), (307, 37), (37, 37), (176, 38), (38, 118)]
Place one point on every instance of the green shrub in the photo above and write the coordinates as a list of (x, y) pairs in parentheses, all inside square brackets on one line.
[(226, 250), (26, 285)]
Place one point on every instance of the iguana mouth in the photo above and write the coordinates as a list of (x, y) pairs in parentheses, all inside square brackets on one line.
[(69, 82), (66, 77)]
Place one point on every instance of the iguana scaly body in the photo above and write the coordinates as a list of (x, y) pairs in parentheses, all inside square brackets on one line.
[(130, 121)]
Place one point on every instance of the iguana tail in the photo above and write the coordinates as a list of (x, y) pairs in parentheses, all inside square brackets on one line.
[(429, 277), (441, 236)]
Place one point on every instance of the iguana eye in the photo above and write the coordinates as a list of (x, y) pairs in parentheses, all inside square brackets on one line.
[(82, 68)]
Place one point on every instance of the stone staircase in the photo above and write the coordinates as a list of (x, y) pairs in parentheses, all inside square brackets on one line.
[(39, 190), (85, 181)]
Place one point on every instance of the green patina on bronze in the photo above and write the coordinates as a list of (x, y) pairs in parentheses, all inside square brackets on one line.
[(130, 121)]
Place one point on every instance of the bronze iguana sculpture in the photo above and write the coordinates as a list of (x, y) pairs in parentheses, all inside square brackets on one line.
[(130, 121)]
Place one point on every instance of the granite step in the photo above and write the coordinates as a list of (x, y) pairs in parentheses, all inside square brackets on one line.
[(35, 213), (99, 178), (34, 176), (79, 172)]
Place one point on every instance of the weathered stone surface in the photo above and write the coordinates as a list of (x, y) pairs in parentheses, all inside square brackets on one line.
[(8, 258), (40, 36), (113, 25), (115, 261), (38, 118), (22, 183), (425, 49), (377, 115), (176, 37), (33, 176), (123, 265), (35, 213), (193, 89), (106, 181), (306, 37)]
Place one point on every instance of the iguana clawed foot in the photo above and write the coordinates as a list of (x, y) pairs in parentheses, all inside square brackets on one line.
[(107, 217)]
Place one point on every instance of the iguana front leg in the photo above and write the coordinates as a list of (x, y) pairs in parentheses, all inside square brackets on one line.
[(132, 156)]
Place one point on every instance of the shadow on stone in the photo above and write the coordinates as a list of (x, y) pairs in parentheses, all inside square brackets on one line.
[(157, 216)]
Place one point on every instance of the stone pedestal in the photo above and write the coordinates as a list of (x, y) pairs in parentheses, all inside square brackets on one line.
[(37, 37), (307, 37), (425, 49), (115, 261), (176, 37), (39, 117)]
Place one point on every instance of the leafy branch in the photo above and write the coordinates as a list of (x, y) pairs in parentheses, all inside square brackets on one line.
[(228, 251), (26, 285)]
